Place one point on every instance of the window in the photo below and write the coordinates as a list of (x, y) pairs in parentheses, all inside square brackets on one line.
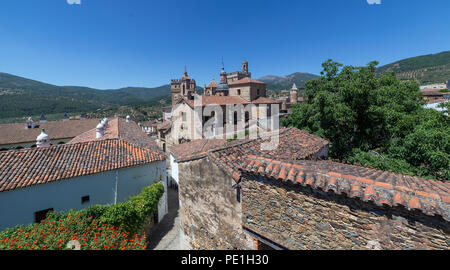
[(183, 115), (257, 92), (85, 199), (235, 116), (239, 92), (41, 215)]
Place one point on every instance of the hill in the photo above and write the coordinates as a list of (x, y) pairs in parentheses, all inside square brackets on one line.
[(20, 97), (425, 69), (277, 83)]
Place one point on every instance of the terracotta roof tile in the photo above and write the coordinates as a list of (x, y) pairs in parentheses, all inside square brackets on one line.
[(118, 128), (16, 133), (33, 166), (246, 80), (431, 197)]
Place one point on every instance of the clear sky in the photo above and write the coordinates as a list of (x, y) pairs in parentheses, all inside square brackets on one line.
[(117, 43)]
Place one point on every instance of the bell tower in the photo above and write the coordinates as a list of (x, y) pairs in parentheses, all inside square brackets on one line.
[(245, 67)]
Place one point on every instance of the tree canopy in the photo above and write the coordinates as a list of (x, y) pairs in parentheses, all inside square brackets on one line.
[(375, 121)]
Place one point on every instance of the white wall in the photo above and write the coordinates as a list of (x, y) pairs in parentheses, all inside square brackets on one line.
[(174, 168), (18, 206)]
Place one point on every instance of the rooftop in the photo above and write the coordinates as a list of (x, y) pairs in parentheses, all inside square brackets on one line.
[(17, 133), (380, 187), (245, 81), (34, 166), (118, 128)]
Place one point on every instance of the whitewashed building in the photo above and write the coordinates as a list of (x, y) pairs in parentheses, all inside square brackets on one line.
[(86, 171)]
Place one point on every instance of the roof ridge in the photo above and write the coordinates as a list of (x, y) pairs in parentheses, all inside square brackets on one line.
[(414, 196)]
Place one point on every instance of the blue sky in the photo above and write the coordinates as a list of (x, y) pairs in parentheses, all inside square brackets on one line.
[(117, 43)]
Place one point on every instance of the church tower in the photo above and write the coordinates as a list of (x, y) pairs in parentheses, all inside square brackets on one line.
[(182, 88), (245, 67)]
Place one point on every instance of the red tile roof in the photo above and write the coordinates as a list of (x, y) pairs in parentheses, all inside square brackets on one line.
[(16, 133), (34, 166), (218, 100), (118, 128), (382, 188), (245, 80), (164, 125), (264, 100), (196, 149)]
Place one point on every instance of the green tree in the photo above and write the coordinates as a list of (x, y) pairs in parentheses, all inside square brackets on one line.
[(362, 114)]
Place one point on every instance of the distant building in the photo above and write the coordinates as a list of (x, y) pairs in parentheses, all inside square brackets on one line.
[(239, 75), (233, 89), (87, 171), (436, 86), (182, 88)]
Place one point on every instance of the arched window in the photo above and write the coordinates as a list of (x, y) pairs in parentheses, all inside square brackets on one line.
[(235, 116)]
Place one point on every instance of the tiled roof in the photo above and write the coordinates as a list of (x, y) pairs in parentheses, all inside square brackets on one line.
[(230, 100), (431, 92), (246, 80), (219, 100), (16, 133), (196, 148), (293, 144), (118, 128), (34, 166), (264, 100), (164, 125), (382, 188)]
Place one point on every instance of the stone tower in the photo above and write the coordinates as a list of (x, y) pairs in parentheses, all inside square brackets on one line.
[(245, 67), (183, 87), (293, 94)]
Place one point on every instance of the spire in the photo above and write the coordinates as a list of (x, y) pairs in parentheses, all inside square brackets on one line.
[(294, 87)]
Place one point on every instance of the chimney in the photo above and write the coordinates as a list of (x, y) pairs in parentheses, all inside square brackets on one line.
[(105, 122), (100, 130), (128, 119), (30, 123), (43, 140), (293, 94)]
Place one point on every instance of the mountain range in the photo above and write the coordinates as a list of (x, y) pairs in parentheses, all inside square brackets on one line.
[(22, 97), (285, 82), (425, 69)]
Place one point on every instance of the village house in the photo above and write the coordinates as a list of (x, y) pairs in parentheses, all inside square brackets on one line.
[(237, 196), (104, 165)]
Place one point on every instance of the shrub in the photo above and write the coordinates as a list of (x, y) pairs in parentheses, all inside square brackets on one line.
[(55, 233), (97, 227)]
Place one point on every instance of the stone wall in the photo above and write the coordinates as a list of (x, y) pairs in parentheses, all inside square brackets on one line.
[(210, 214), (298, 217)]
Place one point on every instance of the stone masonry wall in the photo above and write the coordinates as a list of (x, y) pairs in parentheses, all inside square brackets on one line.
[(298, 217), (210, 214)]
